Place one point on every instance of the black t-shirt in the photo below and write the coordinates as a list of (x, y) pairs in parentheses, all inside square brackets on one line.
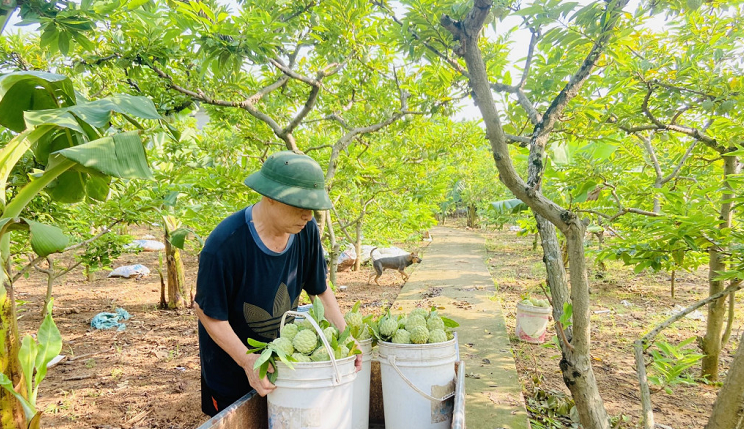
[(240, 280)]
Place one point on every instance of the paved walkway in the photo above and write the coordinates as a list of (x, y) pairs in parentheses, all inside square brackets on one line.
[(453, 275)]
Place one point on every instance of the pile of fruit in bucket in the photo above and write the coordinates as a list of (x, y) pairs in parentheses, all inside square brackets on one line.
[(298, 342), (420, 326), (535, 302)]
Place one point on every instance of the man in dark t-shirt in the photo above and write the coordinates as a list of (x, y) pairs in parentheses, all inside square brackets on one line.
[(252, 269)]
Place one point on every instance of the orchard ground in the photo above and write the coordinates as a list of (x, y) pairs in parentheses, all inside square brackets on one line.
[(147, 376)]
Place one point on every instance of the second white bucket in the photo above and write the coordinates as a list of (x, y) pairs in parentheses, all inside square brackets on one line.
[(360, 409), (418, 384), (315, 395)]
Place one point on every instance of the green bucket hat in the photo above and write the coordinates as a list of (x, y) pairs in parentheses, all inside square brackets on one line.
[(291, 178)]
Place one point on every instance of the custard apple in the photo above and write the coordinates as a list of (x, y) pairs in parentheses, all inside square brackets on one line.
[(289, 331), (388, 327), (341, 352), (299, 357), (320, 355), (354, 320), (402, 322), (365, 334), (435, 322), (419, 335), (402, 337), (284, 345), (414, 321), (304, 324), (330, 333), (437, 336), (305, 341), (418, 311)]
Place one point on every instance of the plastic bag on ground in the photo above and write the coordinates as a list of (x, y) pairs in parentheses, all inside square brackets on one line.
[(146, 245), (126, 271), (110, 320)]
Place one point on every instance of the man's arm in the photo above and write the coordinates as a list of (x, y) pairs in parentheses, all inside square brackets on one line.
[(225, 337)]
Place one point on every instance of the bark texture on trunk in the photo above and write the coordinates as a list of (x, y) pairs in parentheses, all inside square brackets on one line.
[(358, 245), (728, 410), (711, 344), (11, 412), (334, 252), (176, 276)]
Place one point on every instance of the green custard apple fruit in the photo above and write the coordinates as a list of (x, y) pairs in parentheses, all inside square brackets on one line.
[(304, 324), (419, 335), (354, 320), (437, 336), (320, 355), (365, 334), (330, 333), (299, 357), (418, 311), (402, 336), (435, 322), (305, 341), (284, 345), (289, 331), (414, 321), (341, 352), (388, 327)]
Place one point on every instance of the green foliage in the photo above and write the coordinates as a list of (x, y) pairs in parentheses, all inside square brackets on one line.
[(34, 355), (671, 363), (552, 410)]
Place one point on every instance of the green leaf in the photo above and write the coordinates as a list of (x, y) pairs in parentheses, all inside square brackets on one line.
[(97, 187), (22, 91), (120, 155), (69, 187), (449, 323), (134, 4), (512, 206), (46, 239), (178, 237), (28, 409), (26, 358), (50, 344)]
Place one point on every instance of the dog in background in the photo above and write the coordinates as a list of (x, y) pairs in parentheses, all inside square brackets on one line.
[(398, 263)]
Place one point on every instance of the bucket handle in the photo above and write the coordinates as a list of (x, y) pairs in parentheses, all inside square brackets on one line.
[(337, 378), (391, 361)]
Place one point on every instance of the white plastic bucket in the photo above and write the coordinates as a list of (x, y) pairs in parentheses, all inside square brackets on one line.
[(532, 323), (360, 409), (418, 384), (315, 395)]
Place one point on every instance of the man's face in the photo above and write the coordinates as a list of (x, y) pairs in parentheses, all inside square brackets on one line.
[(290, 219)]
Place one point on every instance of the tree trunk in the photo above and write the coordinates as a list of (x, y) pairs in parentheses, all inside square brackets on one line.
[(333, 255), (728, 410), (11, 412), (711, 342), (576, 362), (472, 221), (358, 245), (176, 277)]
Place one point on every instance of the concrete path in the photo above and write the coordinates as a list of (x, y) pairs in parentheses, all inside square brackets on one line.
[(453, 276)]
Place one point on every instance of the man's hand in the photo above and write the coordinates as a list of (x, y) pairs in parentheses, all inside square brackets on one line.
[(358, 362), (262, 385)]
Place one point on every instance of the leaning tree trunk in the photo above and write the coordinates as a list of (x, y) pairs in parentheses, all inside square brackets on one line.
[(358, 245), (11, 412), (576, 361), (711, 343), (176, 276), (728, 410)]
